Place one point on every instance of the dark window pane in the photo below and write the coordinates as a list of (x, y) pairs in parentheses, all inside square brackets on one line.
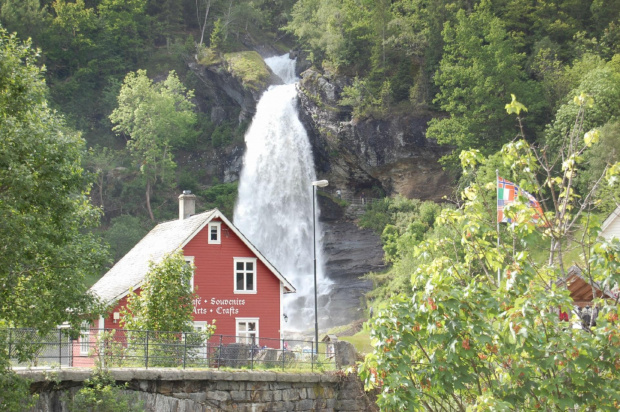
[(251, 326), (250, 282), (240, 281), (239, 265), (249, 266)]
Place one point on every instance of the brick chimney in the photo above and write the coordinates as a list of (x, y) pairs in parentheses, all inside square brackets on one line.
[(187, 204)]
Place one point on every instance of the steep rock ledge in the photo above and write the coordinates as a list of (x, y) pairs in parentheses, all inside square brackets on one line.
[(393, 153), (350, 252), (224, 98)]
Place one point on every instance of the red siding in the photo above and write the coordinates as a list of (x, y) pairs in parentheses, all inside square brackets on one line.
[(214, 281)]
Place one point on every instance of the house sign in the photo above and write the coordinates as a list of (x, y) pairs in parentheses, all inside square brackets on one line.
[(219, 306)]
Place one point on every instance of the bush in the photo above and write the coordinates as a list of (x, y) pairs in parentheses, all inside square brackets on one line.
[(101, 394)]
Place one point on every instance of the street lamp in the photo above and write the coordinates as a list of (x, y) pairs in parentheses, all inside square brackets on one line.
[(319, 183)]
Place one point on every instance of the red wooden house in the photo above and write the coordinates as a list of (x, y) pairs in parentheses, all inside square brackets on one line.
[(235, 284)]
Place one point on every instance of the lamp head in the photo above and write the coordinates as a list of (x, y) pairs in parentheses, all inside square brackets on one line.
[(320, 183)]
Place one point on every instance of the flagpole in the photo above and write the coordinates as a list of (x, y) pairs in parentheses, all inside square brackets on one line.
[(497, 218)]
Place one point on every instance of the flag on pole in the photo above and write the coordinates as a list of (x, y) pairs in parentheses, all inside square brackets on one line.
[(507, 193)]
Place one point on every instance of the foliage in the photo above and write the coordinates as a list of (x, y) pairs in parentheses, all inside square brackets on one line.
[(157, 117), (101, 393), (14, 390), (164, 302), (124, 232), (479, 67), (603, 85), (23, 16), (478, 328), (334, 30), (222, 196), (215, 40), (44, 211), (163, 308), (394, 217), (44, 208)]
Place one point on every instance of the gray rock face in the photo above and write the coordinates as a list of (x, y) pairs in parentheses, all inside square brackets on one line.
[(393, 154), (350, 252), (346, 355), (223, 95), (224, 99)]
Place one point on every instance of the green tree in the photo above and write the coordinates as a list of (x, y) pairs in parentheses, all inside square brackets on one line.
[(46, 247), (603, 85), (44, 206), (157, 117), (479, 328), (479, 68), (124, 233), (337, 31), (165, 299), (74, 26), (164, 307), (26, 17), (124, 24)]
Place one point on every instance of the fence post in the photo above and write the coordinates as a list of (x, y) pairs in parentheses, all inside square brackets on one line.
[(59, 348), (184, 348), (252, 354), (146, 358), (10, 342), (219, 355), (312, 356), (283, 354)]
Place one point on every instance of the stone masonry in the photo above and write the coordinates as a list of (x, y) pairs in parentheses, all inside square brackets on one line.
[(174, 390)]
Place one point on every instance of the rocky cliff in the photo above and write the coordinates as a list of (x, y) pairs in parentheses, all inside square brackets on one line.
[(227, 97), (392, 154)]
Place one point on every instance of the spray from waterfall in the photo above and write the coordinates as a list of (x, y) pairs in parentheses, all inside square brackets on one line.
[(274, 207)]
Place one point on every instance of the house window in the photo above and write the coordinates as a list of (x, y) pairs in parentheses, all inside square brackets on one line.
[(189, 260), (245, 275), (85, 338), (214, 233), (247, 330), (196, 342)]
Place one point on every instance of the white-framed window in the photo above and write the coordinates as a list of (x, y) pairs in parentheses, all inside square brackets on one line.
[(247, 330), (245, 275), (215, 231), (197, 344), (189, 260), (85, 338)]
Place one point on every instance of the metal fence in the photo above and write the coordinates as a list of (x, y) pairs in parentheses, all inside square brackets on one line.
[(133, 348)]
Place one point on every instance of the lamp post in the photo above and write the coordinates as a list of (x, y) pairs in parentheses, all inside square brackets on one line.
[(319, 183)]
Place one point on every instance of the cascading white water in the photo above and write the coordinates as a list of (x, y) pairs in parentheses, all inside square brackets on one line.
[(274, 207)]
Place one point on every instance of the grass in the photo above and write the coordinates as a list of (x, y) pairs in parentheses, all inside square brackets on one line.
[(208, 57), (361, 341), (248, 67)]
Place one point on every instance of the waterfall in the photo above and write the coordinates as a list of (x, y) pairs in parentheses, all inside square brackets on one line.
[(274, 207)]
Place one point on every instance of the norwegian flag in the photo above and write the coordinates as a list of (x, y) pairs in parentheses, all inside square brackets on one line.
[(507, 193)]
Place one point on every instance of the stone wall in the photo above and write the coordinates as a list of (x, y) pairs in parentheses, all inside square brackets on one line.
[(177, 390)]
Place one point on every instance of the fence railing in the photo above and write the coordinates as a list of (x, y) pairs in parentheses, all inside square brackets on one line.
[(133, 348)]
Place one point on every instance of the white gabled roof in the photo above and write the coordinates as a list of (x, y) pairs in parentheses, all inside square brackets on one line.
[(129, 272), (612, 216)]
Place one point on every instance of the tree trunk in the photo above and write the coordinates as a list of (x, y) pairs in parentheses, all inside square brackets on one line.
[(204, 23), (148, 200)]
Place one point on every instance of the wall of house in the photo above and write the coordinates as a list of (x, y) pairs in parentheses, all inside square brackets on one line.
[(613, 230), (214, 284)]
